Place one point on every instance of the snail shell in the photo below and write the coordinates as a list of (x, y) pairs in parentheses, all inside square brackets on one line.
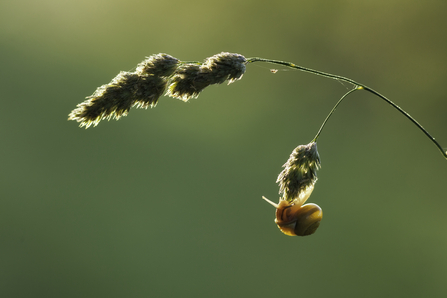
[(295, 219)]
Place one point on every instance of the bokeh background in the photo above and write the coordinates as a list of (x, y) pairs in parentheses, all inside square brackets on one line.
[(167, 201)]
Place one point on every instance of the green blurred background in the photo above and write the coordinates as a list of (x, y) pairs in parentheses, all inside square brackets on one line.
[(167, 201)]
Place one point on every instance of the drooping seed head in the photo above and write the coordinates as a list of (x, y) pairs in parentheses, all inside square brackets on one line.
[(297, 180)]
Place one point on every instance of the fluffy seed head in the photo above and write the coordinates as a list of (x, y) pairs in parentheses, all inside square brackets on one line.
[(116, 98), (225, 66), (297, 180), (162, 65), (188, 81), (143, 87)]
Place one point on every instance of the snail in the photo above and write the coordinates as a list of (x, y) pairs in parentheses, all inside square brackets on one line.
[(295, 219), (296, 183)]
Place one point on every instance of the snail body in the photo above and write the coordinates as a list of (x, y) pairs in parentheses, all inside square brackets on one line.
[(295, 219)]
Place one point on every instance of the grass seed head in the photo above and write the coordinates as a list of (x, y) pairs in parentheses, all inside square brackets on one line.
[(299, 176)]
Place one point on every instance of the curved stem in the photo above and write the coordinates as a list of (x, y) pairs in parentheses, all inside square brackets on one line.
[(333, 110), (357, 85)]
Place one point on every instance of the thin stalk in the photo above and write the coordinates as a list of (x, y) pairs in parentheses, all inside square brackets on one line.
[(333, 110), (358, 86)]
